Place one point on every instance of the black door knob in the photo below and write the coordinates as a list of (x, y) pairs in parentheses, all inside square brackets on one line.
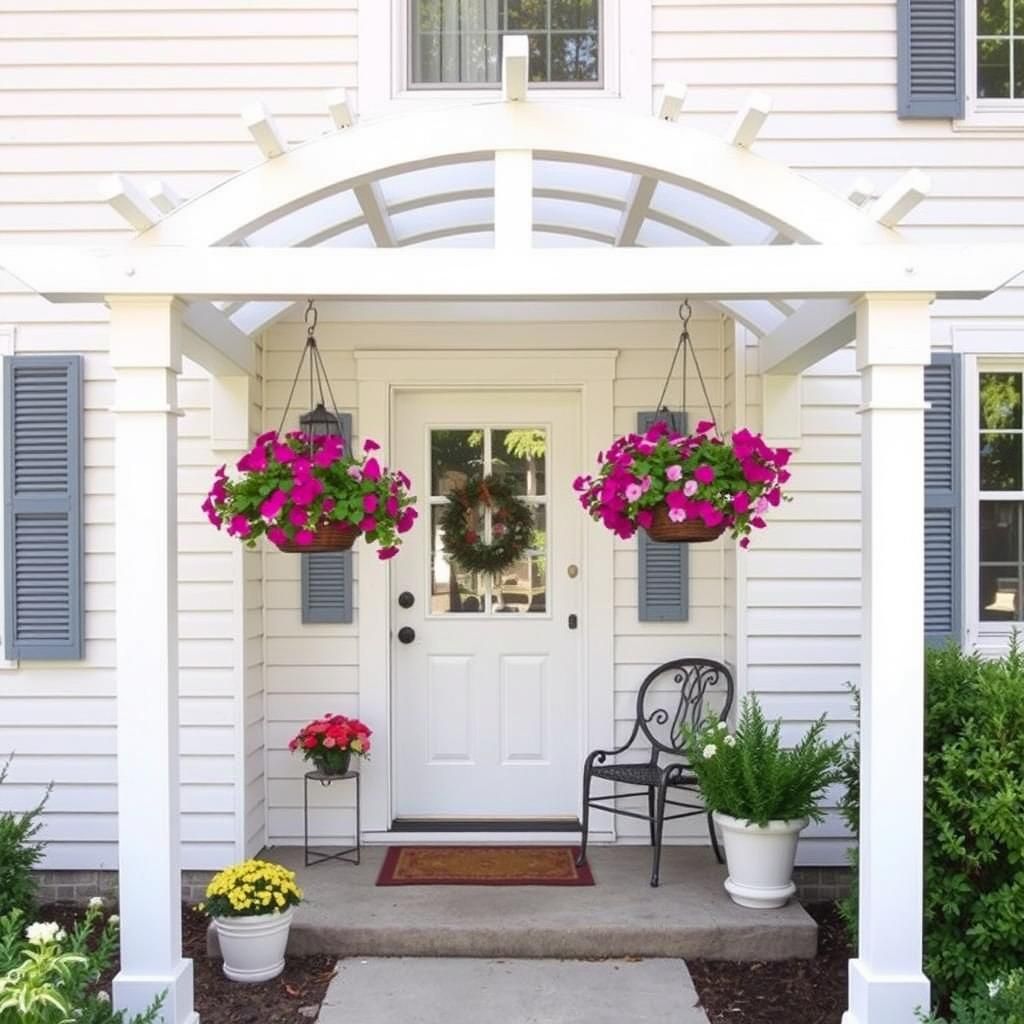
[(405, 599), (407, 634)]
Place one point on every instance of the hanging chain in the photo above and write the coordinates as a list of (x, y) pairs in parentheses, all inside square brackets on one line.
[(685, 345), (317, 372)]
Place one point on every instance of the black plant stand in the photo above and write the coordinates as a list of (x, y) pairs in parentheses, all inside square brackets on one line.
[(351, 855)]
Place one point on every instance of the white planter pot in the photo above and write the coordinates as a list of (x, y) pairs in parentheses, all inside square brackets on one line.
[(760, 860), (253, 946)]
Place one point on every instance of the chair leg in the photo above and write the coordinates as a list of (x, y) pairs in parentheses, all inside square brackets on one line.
[(659, 828), (714, 839), (650, 813), (582, 858)]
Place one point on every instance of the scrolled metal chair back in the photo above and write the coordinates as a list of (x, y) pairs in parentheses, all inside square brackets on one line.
[(677, 694)]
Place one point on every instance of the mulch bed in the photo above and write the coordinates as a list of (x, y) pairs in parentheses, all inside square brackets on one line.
[(780, 991), (293, 998)]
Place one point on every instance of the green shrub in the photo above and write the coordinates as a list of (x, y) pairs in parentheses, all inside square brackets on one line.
[(748, 775), (974, 819), (19, 854), (1001, 1003), (849, 811), (49, 977)]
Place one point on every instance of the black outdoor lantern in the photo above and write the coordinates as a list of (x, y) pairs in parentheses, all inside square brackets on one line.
[(320, 422)]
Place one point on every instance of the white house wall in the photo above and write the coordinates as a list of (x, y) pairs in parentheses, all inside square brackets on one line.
[(153, 89)]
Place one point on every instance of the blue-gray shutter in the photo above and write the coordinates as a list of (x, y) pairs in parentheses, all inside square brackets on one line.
[(930, 63), (943, 484), (327, 575), (664, 571), (43, 551)]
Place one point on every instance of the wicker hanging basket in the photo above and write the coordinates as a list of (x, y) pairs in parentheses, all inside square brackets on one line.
[(330, 536), (690, 531)]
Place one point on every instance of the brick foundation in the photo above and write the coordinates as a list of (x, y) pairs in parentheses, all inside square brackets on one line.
[(816, 885), (79, 886)]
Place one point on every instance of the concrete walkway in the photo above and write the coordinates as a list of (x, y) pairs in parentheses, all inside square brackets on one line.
[(689, 915), (433, 991)]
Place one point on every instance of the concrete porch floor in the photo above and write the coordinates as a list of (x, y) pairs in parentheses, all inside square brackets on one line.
[(689, 915)]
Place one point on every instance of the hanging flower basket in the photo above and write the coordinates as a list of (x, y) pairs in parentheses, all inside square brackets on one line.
[(307, 493), (685, 488), (690, 531)]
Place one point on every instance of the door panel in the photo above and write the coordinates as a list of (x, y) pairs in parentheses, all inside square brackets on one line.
[(487, 706)]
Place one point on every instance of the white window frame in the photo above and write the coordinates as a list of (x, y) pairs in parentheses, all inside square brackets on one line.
[(992, 638), (626, 69), (983, 114), (8, 337)]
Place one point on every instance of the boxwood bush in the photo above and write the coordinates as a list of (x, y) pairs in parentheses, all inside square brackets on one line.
[(20, 851), (973, 828)]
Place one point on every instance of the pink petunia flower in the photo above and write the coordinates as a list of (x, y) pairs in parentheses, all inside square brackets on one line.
[(368, 524), (370, 502), (704, 474), (690, 488), (741, 502), (276, 535), (677, 515), (304, 537), (239, 526), (384, 554), (634, 492), (674, 473), (370, 446), (298, 517), (372, 469), (355, 472)]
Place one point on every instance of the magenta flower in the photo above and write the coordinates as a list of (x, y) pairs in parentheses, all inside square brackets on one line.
[(239, 526), (270, 435), (391, 506), (355, 472), (283, 453), (370, 502), (406, 519), (304, 537), (634, 492), (328, 503), (645, 518), (385, 553), (741, 502), (298, 517), (370, 446), (705, 427), (745, 542), (368, 524), (271, 508), (276, 535), (326, 457), (372, 469), (704, 474), (758, 523)]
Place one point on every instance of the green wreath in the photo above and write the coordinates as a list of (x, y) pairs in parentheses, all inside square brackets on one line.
[(462, 526)]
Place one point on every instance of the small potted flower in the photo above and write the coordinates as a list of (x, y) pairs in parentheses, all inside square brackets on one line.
[(308, 493), (762, 797), (251, 906), (330, 742), (682, 487)]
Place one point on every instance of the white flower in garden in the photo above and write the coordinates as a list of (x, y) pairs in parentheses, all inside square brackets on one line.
[(96, 903), (113, 919), (994, 988), (722, 726), (709, 751), (103, 997), (729, 741), (42, 932)]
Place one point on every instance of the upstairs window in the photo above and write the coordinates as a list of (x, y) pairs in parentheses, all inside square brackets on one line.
[(1000, 49), (457, 43)]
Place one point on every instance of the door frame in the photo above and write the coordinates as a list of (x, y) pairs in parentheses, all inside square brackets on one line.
[(380, 375)]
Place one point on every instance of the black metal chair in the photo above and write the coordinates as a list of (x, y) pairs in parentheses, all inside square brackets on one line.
[(673, 694)]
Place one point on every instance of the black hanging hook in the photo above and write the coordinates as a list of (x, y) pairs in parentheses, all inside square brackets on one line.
[(311, 311)]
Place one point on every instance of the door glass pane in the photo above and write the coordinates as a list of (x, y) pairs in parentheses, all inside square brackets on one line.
[(1000, 593), (994, 68), (519, 457), (1001, 462), (522, 587), (999, 397), (1000, 531), (455, 456), (451, 589)]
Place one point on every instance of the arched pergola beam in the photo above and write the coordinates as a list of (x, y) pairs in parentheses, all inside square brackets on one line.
[(373, 150)]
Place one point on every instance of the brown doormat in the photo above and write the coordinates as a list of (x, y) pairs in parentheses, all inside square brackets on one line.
[(483, 865)]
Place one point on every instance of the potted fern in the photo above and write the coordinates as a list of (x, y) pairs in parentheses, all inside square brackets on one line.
[(762, 796)]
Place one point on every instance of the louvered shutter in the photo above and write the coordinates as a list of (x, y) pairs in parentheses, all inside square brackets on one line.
[(664, 570), (327, 575), (43, 601), (943, 543), (931, 58)]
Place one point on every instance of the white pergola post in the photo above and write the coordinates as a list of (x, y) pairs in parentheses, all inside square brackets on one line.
[(886, 980), (145, 352)]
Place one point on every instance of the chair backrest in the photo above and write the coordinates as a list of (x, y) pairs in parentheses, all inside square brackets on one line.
[(677, 693)]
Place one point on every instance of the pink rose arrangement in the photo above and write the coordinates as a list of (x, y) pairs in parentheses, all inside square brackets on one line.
[(289, 487), (721, 483), (330, 742)]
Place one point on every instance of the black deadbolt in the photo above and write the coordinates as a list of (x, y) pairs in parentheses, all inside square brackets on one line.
[(405, 599), (407, 634)]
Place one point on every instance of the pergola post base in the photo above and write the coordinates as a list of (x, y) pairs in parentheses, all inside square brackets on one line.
[(887, 985)]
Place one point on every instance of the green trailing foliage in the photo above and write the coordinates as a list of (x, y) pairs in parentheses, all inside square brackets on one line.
[(20, 851), (973, 832), (48, 976), (749, 775)]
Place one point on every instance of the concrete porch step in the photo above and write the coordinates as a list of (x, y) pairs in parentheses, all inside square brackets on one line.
[(689, 915)]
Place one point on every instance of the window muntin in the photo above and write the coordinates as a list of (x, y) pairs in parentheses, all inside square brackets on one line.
[(1001, 504), (999, 46), (457, 43), (518, 456)]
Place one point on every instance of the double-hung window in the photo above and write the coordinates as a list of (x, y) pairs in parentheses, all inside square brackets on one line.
[(1000, 447), (999, 50), (457, 43)]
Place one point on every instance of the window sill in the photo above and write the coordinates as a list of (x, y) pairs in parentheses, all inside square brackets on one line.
[(1007, 117)]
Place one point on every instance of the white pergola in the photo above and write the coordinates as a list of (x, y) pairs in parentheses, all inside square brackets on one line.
[(518, 200)]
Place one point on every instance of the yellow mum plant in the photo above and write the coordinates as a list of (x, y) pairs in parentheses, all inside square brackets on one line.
[(252, 887)]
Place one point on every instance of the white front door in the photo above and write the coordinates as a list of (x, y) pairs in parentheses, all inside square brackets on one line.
[(487, 708)]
